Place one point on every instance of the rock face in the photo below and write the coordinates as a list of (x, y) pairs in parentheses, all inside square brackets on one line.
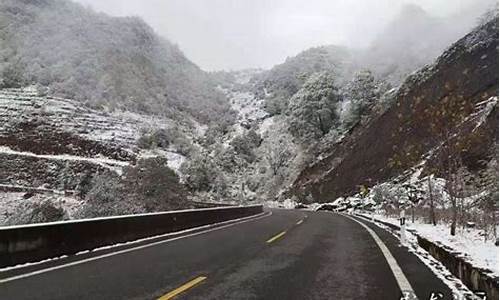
[(464, 78)]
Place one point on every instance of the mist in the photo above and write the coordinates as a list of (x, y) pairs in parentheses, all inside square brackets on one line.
[(230, 35)]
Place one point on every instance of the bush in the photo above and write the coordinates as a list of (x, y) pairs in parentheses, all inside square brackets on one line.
[(200, 173), (245, 144), (160, 138), (34, 212), (107, 197), (155, 185)]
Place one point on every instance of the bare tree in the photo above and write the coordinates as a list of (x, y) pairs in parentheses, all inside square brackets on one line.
[(278, 154)]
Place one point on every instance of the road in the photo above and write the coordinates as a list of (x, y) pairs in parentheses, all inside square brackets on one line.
[(289, 254)]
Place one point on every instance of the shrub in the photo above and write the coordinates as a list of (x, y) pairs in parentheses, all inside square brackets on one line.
[(37, 212), (154, 185)]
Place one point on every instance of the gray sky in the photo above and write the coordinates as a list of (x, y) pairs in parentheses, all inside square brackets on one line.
[(236, 34)]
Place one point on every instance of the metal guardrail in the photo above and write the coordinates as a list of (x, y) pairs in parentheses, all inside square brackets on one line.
[(35, 242)]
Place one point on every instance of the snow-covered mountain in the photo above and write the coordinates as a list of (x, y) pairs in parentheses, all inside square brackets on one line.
[(446, 109), (105, 62)]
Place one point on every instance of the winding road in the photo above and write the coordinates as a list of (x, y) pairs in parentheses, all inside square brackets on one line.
[(282, 254)]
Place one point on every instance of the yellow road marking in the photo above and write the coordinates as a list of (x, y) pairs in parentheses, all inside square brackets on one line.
[(182, 288), (300, 222), (274, 238)]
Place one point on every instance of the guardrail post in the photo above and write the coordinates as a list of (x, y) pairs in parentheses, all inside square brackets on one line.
[(402, 223)]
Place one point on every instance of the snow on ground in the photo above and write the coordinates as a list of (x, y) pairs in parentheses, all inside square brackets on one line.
[(248, 107), (174, 159), (468, 241), (266, 125), (102, 161), (121, 128), (286, 204), (457, 287), (244, 76)]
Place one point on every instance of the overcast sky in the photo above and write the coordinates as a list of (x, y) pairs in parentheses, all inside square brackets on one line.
[(236, 34)]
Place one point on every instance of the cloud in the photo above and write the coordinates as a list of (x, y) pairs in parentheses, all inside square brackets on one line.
[(235, 34)]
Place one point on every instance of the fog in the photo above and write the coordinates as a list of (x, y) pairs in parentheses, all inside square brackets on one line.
[(236, 34)]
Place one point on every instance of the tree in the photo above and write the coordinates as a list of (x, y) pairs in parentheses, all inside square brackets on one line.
[(155, 185), (362, 92), (415, 195), (245, 144), (313, 109), (432, 214), (106, 196), (200, 173), (278, 154), (12, 76)]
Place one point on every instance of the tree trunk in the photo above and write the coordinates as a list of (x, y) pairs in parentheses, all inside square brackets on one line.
[(453, 228), (432, 215)]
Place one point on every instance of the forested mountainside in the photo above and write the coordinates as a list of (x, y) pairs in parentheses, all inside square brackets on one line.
[(443, 117), (105, 62), (401, 48)]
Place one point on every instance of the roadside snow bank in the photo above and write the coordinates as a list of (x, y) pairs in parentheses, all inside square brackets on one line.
[(468, 242)]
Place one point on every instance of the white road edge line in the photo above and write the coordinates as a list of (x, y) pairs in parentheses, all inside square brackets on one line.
[(404, 284), (78, 262)]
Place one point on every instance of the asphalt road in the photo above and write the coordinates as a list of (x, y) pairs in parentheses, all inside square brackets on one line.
[(290, 254)]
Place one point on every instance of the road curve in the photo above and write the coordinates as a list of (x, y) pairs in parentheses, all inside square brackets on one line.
[(291, 254)]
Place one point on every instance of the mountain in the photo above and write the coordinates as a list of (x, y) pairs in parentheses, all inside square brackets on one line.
[(284, 80), (411, 40), (448, 108), (105, 62), (403, 46)]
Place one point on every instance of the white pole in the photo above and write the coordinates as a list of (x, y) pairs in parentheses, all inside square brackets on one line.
[(402, 223)]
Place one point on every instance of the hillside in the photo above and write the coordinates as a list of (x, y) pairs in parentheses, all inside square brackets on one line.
[(105, 62), (462, 86), (55, 149)]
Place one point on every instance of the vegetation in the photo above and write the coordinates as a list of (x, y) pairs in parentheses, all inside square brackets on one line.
[(36, 212), (148, 186)]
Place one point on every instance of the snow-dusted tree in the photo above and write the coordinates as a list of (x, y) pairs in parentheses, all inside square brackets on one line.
[(154, 185), (200, 173), (245, 144), (278, 155), (362, 92), (107, 196), (313, 109)]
